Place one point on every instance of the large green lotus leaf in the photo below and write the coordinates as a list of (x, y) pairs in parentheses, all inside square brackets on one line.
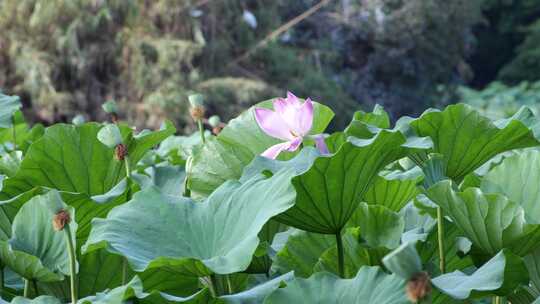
[(202, 297), (177, 149), (170, 281), (71, 158), (38, 300), (490, 221), (168, 179), (371, 285), (117, 295), (8, 106), (10, 162), (532, 261), (301, 252), (417, 225), (100, 271), (404, 261), (379, 226), (365, 125), (394, 189), (27, 265), (262, 261), (24, 135), (225, 156), (257, 294), (139, 144), (429, 249), (10, 202), (500, 276), (88, 208), (220, 233), (518, 177), (466, 139), (529, 293), (356, 255), (524, 295), (329, 188), (39, 240)]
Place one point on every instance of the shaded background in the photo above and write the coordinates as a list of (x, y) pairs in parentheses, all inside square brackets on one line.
[(67, 57)]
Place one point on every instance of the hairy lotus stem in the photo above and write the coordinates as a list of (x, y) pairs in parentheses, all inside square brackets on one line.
[(339, 243), (61, 223), (497, 300), (208, 282), (26, 292), (418, 287), (218, 290), (72, 265), (229, 285), (14, 135), (124, 271), (201, 130), (2, 269), (36, 290), (125, 267), (440, 234)]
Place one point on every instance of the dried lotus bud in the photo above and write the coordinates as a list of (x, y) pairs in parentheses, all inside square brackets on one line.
[(61, 219), (197, 106), (197, 113), (120, 152), (418, 287)]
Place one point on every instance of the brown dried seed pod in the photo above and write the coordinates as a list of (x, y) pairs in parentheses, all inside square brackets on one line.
[(418, 287), (120, 152), (197, 113), (60, 220)]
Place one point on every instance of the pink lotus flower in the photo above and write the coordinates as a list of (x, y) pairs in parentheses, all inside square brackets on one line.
[(290, 121)]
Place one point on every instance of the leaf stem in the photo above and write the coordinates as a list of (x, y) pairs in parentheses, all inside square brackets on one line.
[(218, 290), (124, 271), (440, 236), (14, 134), (339, 242), (2, 280), (229, 285), (128, 185), (72, 264), (208, 282), (497, 300), (201, 130), (128, 167), (36, 290), (26, 291)]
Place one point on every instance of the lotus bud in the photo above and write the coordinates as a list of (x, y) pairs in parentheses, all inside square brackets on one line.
[(110, 135), (78, 120), (61, 219), (214, 121), (111, 108), (197, 106), (196, 100), (418, 287)]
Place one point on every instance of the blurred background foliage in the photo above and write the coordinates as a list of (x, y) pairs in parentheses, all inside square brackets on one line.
[(67, 57)]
